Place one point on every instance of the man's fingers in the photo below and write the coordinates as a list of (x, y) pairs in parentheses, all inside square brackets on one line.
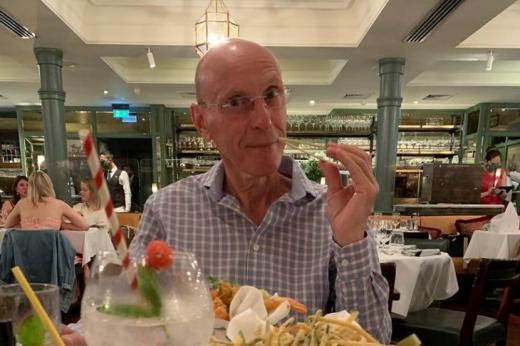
[(357, 167), (332, 176)]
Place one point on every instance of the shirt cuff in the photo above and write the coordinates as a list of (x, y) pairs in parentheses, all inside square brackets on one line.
[(356, 260)]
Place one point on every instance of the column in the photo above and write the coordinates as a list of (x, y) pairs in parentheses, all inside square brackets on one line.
[(52, 97), (389, 109)]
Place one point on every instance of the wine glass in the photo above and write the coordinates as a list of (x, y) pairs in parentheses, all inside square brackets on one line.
[(180, 311), (397, 241)]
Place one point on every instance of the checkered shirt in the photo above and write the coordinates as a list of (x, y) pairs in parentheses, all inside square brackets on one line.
[(291, 252)]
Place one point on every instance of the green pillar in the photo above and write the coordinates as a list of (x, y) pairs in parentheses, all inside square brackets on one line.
[(53, 99), (389, 109)]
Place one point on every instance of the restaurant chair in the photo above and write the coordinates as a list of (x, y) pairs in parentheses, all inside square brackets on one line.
[(468, 226), (436, 326), (416, 235), (45, 256), (388, 271), (441, 244), (129, 219)]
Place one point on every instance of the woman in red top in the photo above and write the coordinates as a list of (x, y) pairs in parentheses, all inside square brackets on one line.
[(492, 177)]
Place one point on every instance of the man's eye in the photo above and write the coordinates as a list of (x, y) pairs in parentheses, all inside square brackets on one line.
[(235, 102), (271, 94)]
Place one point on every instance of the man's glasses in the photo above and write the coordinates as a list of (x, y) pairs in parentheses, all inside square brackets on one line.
[(272, 98)]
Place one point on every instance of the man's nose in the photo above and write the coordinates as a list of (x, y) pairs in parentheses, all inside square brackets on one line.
[(261, 114)]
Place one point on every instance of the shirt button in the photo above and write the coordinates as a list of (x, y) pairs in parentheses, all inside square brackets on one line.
[(344, 263), (256, 247)]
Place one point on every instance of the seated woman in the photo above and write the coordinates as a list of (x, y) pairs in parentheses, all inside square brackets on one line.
[(19, 191), (90, 206), (41, 210)]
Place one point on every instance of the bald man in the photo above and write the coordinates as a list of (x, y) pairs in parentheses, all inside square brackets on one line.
[(254, 217)]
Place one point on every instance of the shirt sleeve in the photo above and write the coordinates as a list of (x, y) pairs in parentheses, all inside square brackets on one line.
[(360, 286), (125, 181), (150, 228)]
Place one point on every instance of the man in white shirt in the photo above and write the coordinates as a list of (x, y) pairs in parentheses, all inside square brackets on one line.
[(118, 183)]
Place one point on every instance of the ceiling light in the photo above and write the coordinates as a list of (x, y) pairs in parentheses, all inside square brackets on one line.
[(312, 103), (151, 60), (415, 102), (105, 92), (214, 27), (489, 62)]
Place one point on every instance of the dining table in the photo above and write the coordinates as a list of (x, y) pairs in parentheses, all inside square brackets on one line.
[(87, 243), (494, 245), (421, 280)]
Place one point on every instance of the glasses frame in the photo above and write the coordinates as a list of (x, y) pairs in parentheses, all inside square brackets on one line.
[(225, 107)]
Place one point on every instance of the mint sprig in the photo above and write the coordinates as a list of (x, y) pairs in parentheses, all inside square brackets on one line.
[(148, 285)]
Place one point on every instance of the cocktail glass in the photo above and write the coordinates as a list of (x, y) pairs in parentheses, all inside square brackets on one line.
[(17, 311), (113, 313)]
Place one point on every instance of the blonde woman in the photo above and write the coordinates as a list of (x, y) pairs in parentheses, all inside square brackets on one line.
[(41, 210), (90, 206)]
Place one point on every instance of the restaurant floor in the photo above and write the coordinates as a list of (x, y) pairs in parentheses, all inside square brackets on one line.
[(513, 337)]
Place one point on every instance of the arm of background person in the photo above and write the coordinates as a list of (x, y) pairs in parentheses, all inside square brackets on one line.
[(125, 182), (13, 218), (6, 209), (75, 218)]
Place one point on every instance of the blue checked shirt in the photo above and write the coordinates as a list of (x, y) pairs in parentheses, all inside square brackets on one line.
[(290, 252)]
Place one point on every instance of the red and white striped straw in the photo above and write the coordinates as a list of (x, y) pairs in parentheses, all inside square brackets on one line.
[(102, 188)]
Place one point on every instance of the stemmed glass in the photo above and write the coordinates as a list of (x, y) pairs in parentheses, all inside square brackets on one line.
[(114, 313)]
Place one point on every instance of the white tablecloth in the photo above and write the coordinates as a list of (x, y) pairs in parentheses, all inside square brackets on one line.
[(88, 243), (91, 242), (485, 244), (421, 280)]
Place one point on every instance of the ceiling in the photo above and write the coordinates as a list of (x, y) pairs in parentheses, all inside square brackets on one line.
[(326, 49)]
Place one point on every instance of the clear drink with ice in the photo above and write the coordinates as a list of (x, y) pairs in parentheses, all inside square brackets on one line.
[(186, 316)]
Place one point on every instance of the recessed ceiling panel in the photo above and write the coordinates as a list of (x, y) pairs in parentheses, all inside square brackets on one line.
[(503, 31), (12, 70), (182, 70), (273, 23), (470, 73)]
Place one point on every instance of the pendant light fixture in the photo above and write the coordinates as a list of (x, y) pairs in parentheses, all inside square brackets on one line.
[(214, 27)]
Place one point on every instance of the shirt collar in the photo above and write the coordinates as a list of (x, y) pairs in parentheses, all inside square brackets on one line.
[(301, 186)]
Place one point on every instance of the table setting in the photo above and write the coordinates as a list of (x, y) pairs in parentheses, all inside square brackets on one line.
[(422, 275), (500, 241)]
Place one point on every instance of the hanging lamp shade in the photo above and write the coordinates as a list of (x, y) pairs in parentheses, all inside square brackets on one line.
[(214, 27)]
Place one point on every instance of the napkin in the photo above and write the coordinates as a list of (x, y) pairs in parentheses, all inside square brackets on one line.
[(248, 315), (506, 222)]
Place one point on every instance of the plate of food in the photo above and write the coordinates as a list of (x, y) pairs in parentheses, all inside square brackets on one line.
[(246, 315)]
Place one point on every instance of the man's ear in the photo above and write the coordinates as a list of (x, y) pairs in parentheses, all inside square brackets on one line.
[(197, 117)]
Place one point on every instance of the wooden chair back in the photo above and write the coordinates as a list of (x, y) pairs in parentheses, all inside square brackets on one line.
[(129, 219), (492, 274)]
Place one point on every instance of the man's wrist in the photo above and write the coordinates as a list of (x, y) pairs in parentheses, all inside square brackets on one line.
[(350, 238)]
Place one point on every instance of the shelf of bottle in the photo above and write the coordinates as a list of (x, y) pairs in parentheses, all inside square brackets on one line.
[(333, 134), (10, 165), (305, 133), (197, 152), (428, 128), (428, 153)]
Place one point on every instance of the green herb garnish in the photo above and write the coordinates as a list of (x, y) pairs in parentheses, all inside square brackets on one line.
[(31, 332), (148, 285)]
